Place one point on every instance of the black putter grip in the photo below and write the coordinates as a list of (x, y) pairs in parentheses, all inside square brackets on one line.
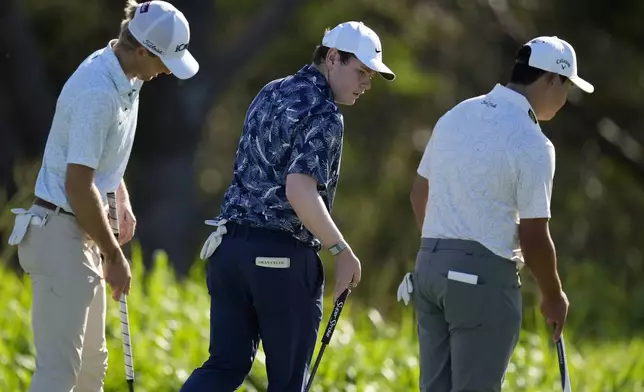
[(333, 321), (562, 363), (561, 359)]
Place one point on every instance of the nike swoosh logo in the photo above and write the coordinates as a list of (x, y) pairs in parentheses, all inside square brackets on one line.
[(378, 51)]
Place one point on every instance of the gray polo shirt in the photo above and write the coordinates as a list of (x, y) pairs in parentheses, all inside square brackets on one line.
[(488, 165)]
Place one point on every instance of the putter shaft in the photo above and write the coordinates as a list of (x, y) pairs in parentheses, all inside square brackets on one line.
[(315, 368), (326, 337)]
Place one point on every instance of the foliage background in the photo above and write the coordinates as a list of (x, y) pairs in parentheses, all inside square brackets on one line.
[(443, 51)]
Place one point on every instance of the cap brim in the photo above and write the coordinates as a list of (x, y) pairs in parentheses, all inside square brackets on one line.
[(380, 67), (582, 84), (183, 67)]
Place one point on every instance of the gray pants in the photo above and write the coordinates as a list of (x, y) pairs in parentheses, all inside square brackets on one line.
[(467, 332)]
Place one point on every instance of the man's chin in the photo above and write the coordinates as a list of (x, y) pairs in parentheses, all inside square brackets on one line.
[(347, 102), (145, 78)]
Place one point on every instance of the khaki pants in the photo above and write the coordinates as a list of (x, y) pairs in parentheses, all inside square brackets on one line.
[(68, 305), (466, 331)]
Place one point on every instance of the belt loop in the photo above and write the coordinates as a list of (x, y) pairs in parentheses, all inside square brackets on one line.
[(57, 210), (246, 230), (434, 244)]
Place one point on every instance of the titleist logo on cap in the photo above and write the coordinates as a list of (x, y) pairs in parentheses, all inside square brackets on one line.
[(152, 46)]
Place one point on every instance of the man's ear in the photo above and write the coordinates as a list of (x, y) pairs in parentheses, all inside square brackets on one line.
[(552, 78), (332, 56), (141, 51)]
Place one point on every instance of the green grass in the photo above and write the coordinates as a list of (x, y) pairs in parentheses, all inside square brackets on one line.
[(169, 326)]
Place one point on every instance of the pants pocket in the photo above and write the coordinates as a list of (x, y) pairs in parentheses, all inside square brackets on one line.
[(314, 275), (465, 304), (507, 304), (30, 254)]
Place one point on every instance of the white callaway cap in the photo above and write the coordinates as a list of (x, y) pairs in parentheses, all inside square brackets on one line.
[(361, 41), (555, 55), (163, 30)]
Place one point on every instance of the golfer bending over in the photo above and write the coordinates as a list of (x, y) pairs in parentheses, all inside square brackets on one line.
[(482, 201), (266, 279), (62, 237)]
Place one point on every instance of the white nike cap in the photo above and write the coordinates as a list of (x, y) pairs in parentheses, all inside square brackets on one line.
[(163, 30), (361, 41), (555, 55)]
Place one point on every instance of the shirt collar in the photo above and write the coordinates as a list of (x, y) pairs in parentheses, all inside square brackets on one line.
[(313, 75), (121, 81), (516, 99)]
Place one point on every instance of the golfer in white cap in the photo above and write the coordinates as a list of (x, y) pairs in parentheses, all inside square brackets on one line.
[(63, 238), (482, 201), (265, 278)]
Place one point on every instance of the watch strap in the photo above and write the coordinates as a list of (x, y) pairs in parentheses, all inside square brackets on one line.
[(337, 248)]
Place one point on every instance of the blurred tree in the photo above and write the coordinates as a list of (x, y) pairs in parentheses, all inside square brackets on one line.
[(443, 51)]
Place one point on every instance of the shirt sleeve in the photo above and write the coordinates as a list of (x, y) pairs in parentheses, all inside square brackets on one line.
[(317, 145), (536, 170), (90, 118)]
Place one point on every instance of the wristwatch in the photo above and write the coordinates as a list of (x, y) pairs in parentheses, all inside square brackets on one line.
[(337, 248)]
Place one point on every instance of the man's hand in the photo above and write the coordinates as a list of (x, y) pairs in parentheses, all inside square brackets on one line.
[(555, 309), (117, 273), (348, 272), (127, 222)]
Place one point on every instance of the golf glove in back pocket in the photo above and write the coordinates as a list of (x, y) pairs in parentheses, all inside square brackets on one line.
[(214, 240), (23, 220), (405, 289)]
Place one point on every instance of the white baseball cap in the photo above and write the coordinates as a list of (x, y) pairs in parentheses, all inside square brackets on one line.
[(361, 41), (555, 55), (163, 30)]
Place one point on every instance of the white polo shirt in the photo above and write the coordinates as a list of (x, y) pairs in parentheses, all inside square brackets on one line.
[(488, 165), (94, 126)]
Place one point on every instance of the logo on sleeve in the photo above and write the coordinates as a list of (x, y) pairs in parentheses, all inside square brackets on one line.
[(532, 116)]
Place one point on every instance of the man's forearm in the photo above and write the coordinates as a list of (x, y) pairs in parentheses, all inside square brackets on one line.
[(310, 208), (122, 195), (419, 212), (88, 208), (418, 197), (540, 256)]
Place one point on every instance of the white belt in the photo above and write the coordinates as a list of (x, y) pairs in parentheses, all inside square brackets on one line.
[(214, 240)]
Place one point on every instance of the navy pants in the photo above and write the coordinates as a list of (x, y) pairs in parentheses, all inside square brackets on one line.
[(251, 301)]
